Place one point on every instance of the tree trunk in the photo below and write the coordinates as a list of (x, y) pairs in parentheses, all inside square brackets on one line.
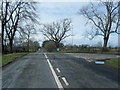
[(2, 32), (11, 45), (57, 44), (2, 36), (28, 43), (28, 46), (105, 43)]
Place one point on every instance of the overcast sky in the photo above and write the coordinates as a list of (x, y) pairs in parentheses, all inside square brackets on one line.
[(53, 11)]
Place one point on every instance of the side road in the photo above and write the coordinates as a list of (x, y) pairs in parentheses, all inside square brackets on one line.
[(92, 56)]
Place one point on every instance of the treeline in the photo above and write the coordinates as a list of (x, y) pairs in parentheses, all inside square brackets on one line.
[(89, 49), (50, 46), (22, 46)]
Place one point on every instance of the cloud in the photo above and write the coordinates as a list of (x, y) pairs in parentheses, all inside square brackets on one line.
[(59, 8), (52, 11)]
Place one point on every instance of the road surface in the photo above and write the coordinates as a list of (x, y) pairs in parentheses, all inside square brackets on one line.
[(57, 70)]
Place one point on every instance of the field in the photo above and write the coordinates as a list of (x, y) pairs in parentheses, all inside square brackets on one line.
[(91, 50), (115, 63)]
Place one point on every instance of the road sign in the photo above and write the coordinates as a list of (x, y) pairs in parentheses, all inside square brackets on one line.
[(58, 49)]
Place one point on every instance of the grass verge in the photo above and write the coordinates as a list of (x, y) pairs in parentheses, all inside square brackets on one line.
[(115, 63), (9, 58)]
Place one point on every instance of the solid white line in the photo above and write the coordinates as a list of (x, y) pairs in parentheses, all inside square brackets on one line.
[(54, 74), (58, 70), (65, 81), (45, 55)]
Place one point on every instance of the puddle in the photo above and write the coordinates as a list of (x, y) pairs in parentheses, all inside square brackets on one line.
[(99, 62)]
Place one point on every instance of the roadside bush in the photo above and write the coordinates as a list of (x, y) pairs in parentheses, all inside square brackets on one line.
[(50, 46)]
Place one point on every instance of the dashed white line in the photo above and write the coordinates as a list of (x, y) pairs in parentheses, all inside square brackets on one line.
[(58, 70), (54, 74), (65, 81)]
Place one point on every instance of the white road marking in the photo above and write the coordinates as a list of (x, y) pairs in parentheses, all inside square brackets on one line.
[(45, 56), (58, 70), (52, 61), (65, 81), (89, 60), (54, 74)]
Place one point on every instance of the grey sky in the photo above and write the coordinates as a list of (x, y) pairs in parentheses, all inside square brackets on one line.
[(52, 11)]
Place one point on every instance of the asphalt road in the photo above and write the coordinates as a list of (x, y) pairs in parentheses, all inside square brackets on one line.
[(31, 71), (56, 70)]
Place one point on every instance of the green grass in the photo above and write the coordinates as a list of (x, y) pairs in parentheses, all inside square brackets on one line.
[(110, 52), (115, 63), (10, 57)]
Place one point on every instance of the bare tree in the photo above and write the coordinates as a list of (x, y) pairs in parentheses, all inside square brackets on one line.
[(5, 17), (27, 32), (16, 12), (57, 31), (103, 17)]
